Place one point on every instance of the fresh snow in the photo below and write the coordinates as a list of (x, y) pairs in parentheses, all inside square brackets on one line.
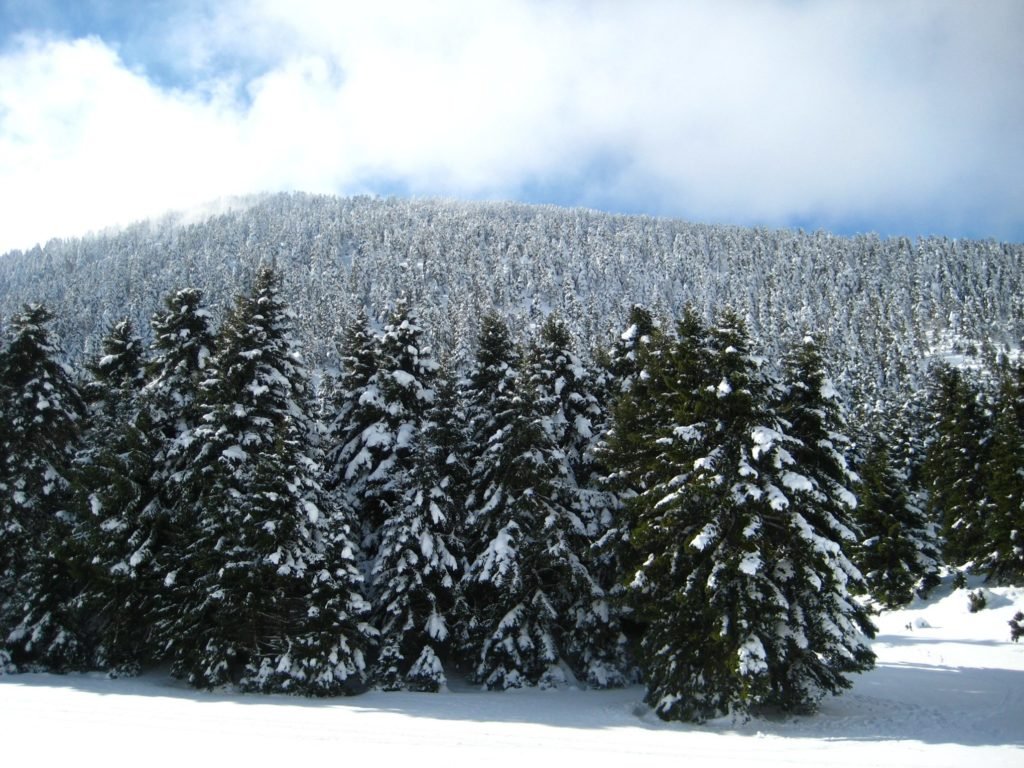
[(750, 565), (797, 482), (312, 511), (404, 379), (948, 691), (234, 452)]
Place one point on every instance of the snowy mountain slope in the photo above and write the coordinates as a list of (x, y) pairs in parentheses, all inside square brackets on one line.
[(948, 691), (879, 304)]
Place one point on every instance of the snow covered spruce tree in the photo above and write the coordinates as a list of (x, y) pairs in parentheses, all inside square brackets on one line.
[(626, 359), (41, 416), (571, 416), (448, 438), (113, 484), (1002, 542), (183, 347), (644, 364), (117, 373), (524, 575), (640, 406), (899, 550), (571, 419), (169, 412), (351, 455), (414, 572), (956, 466), (742, 582), (265, 592), (137, 447), (821, 495)]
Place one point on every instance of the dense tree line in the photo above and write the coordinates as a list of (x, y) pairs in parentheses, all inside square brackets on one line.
[(676, 508)]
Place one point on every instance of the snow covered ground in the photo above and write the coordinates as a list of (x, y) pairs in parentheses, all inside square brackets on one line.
[(948, 691)]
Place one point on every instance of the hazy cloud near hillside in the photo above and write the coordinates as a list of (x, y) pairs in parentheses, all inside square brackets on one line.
[(901, 116)]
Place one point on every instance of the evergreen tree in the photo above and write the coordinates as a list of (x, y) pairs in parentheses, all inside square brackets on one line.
[(811, 414), (524, 573), (810, 407), (352, 454), (626, 361), (570, 420), (898, 552), (183, 346), (642, 387), (448, 437), (957, 464), (1002, 539), (146, 547), (113, 485), (136, 449), (265, 589), (415, 571), (742, 581), (117, 374), (659, 370), (42, 415)]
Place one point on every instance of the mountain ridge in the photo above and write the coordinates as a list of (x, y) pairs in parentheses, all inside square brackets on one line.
[(883, 307)]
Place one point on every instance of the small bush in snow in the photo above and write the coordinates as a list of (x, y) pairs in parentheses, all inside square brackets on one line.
[(976, 601), (1016, 626)]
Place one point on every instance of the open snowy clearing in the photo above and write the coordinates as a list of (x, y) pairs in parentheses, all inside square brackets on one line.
[(948, 691)]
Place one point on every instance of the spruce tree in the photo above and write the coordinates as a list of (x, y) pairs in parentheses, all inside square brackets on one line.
[(523, 574), (183, 347), (640, 404), (1001, 555), (352, 452), (626, 359), (42, 412), (571, 419), (898, 551), (414, 570), (654, 369), (114, 471), (155, 527), (811, 409), (742, 582), (820, 490), (448, 437), (136, 450), (957, 465), (265, 590), (117, 373)]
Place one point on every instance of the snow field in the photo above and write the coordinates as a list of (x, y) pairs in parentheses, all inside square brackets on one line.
[(948, 691)]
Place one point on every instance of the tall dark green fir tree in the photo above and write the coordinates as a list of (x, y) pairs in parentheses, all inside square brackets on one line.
[(957, 464), (415, 570), (522, 573), (351, 454), (1002, 540), (114, 470), (571, 419), (41, 418), (266, 590), (898, 552), (742, 582)]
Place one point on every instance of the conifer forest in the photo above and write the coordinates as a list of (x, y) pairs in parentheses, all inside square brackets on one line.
[(316, 445)]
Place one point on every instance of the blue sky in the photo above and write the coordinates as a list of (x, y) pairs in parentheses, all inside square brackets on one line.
[(901, 117)]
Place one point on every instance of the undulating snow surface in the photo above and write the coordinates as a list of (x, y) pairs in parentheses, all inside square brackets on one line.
[(948, 691)]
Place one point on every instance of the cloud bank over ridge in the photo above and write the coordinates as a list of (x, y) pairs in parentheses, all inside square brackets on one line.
[(899, 117)]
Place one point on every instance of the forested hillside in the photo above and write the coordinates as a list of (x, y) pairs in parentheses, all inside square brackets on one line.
[(531, 447), (883, 308)]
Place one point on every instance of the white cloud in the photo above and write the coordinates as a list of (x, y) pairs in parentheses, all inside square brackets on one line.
[(85, 143), (906, 112)]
